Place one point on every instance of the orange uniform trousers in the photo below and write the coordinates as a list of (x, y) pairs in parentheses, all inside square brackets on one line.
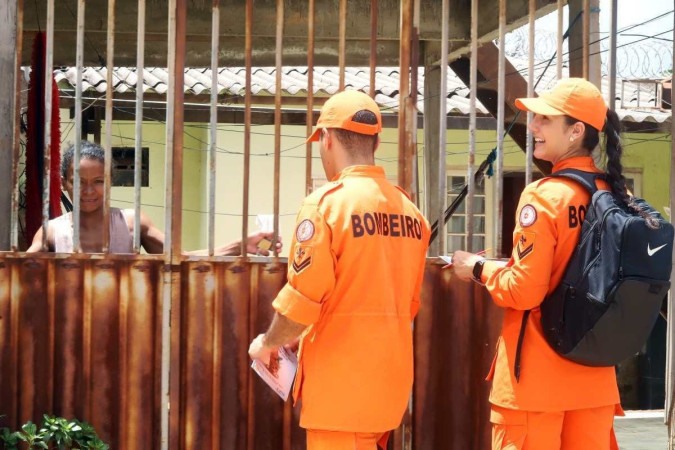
[(580, 429), (345, 440)]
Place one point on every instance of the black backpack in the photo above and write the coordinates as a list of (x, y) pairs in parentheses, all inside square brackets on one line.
[(603, 310)]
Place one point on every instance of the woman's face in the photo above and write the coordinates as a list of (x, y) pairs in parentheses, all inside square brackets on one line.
[(554, 140), (91, 184)]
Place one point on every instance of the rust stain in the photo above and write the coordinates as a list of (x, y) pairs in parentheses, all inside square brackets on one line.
[(223, 305), (202, 268)]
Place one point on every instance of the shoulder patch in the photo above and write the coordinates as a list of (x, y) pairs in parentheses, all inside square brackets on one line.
[(304, 231), (527, 216)]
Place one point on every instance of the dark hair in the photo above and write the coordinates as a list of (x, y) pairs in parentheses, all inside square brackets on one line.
[(88, 150), (357, 142), (612, 155)]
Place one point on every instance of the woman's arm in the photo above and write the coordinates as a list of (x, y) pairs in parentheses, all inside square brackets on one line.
[(36, 245)]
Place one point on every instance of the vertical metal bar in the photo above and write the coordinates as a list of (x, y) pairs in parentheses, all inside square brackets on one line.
[(404, 138), (529, 150), (248, 51), (499, 182), (559, 43), (213, 144), (175, 113), (342, 42), (473, 75), (670, 341), (49, 75), (16, 129), (174, 201), (585, 38), (310, 95), (442, 129), (411, 116), (110, 67), (138, 152), (373, 46), (79, 62), (612, 53), (277, 117)]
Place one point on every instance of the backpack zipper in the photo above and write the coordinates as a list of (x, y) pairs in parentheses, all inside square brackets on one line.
[(602, 223)]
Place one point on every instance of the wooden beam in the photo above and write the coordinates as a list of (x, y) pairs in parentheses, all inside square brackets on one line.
[(516, 86)]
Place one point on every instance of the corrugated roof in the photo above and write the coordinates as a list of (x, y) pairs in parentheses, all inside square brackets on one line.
[(231, 81)]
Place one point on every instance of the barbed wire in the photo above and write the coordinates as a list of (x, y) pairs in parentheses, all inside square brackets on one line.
[(645, 57)]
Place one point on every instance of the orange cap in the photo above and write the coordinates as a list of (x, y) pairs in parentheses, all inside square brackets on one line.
[(339, 110), (574, 97)]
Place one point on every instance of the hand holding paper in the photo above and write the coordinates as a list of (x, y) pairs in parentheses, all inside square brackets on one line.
[(279, 373)]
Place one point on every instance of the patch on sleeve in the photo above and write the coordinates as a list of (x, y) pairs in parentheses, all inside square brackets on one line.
[(525, 245), (304, 231), (302, 258), (527, 216)]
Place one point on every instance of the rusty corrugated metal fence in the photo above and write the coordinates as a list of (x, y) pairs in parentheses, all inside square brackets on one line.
[(152, 350), (89, 346)]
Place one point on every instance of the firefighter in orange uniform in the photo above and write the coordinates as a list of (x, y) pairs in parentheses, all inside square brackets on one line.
[(541, 401), (354, 279)]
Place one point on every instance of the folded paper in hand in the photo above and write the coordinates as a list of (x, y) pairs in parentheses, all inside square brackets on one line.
[(446, 258), (280, 373)]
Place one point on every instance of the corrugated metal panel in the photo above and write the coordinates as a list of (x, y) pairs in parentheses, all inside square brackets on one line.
[(81, 337)]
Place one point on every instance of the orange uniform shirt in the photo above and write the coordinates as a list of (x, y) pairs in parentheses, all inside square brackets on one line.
[(355, 273), (550, 214)]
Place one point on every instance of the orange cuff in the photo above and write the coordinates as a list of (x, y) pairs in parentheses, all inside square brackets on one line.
[(489, 268), (291, 304)]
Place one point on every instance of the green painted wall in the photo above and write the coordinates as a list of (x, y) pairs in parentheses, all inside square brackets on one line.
[(152, 197), (647, 157)]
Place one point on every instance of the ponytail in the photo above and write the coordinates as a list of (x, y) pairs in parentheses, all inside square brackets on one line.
[(614, 170), (614, 151)]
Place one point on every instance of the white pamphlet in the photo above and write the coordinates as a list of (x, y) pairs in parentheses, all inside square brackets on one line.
[(280, 373), (446, 258)]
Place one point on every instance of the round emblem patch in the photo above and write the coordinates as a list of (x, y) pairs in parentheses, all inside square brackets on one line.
[(304, 231), (528, 215)]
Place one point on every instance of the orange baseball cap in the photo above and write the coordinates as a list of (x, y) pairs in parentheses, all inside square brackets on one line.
[(339, 110), (574, 97)]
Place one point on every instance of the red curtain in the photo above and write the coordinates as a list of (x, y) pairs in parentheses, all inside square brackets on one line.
[(35, 144)]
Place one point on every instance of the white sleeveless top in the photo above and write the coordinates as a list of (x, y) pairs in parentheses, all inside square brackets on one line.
[(121, 240)]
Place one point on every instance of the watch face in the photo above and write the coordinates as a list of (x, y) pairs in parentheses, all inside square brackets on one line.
[(478, 269)]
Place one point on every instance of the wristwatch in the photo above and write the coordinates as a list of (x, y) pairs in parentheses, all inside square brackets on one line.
[(478, 270)]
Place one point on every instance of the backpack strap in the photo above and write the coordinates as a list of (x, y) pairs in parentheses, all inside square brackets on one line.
[(586, 179), (519, 347)]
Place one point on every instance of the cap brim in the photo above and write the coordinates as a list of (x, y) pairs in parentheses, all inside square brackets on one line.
[(538, 106), (314, 137)]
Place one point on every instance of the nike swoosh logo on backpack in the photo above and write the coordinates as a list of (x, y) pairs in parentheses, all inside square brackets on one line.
[(651, 251)]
